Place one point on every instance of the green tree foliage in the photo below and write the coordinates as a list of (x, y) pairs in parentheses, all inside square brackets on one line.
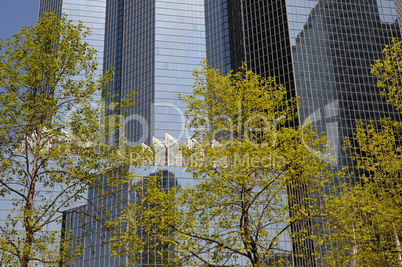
[(50, 136), (244, 161), (369, 213)]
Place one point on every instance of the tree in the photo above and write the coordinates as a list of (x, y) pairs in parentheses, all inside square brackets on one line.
[(368, 214), (51, 136), (249, 171)]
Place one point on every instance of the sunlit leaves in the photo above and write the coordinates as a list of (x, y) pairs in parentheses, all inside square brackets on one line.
[(244, 161), (52, 137), (368, 210)]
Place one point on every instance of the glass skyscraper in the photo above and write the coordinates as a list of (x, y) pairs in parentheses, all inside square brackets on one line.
[(90, 12), (153, 46), (320, 50)]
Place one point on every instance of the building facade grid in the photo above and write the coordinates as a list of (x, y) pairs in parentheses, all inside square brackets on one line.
[(320, 50)]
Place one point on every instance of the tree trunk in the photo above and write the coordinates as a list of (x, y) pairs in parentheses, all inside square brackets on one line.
[(29, 228)]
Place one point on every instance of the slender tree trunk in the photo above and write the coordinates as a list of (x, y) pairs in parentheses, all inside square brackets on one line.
[(29, 228), (29, 231), (248, 240)]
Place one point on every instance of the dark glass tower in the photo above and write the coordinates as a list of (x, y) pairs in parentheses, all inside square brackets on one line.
[(321, 51)]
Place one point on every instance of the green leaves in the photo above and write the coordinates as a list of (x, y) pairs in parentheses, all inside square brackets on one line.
[(52, 137), (236, 103), (240, 203), (145, 225), (388, 72), (368, 212), (247, 168)]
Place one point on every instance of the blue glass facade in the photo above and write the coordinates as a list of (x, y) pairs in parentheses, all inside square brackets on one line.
[(92, 14), (50, 5), (153, 46), (179, 49)]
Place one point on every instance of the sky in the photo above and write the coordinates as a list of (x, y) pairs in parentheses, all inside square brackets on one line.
[(16, 13)]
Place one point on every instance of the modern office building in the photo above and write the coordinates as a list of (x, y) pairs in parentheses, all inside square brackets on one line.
[(90, 12), (153, 46), (320, 50)]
